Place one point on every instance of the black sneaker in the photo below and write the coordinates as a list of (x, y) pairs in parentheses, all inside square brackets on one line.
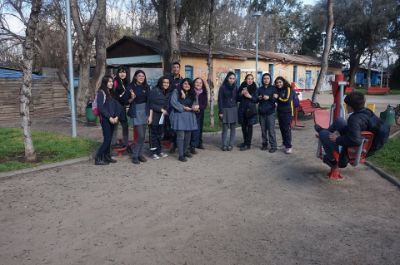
[(317, 128), (135, 160), (188, 154), (224, 148), (182, 159), (264, 147), (100, 162), (272, 150), (192, 150), (229, 148), (330, 163), (142, 159), (201, 146), (244, 148), (109, 159), (343, 160), (241, 145)]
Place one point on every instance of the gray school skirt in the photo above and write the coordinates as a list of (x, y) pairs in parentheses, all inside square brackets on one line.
[(141, 116), (230, 115)]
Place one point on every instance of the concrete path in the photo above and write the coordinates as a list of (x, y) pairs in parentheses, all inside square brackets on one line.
[(219, 208)]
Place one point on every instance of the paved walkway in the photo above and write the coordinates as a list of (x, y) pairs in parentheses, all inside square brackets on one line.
[(219, 208)]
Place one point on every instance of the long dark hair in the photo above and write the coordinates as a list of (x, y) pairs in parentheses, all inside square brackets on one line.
[(191, 93), (285, 82), (103, 85), (204, 88), (251, 88), (134, 80), (226, 78), (160, 82), (121, 69), (270, 80)]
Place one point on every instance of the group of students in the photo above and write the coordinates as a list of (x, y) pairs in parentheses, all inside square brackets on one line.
[(175, 107)]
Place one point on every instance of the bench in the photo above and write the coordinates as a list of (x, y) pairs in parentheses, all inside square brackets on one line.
[(306, 106), (378, 90)]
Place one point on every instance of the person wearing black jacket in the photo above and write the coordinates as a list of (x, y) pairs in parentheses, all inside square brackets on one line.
[(247, 112), (158, 104), (227, 110), (267, 95), (202, 99), (121, 95), (285, 110), (109, 112), (345, 133), (139, 112)]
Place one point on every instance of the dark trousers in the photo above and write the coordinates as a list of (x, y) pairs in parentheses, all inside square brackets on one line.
[(267, 123), (125, 132), (138, 148), (247, 130), (285, 118), (339, 125), (183, 141), (197, 135), (169, 133), (107, 129), (231, 140), (156, 134)]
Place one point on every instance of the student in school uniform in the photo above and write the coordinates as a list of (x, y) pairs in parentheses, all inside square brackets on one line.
[(267, 96), (139, 112), (247, 112), (183, 119), (202, 100), (158, 103), (228, 111), (285, 111), (109, 113)]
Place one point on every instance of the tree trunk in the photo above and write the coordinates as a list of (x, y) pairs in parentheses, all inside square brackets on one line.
[(210, 62), (369, 69), (173, 31), (26, 88), (83, 88), (354, 65), (325, 55)]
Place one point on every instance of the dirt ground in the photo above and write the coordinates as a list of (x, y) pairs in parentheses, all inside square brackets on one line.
[(219, 208)]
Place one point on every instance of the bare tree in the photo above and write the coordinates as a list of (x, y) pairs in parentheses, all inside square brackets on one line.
[(26, 88), (327, 48), (210, 61), (88, 32)]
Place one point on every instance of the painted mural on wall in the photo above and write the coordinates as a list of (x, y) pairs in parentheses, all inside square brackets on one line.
[(152, 74)]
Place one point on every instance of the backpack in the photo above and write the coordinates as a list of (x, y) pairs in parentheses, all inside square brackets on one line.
[(95, 109), (381, 132)]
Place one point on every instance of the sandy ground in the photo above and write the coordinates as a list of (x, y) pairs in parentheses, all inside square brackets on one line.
[(219, 208)]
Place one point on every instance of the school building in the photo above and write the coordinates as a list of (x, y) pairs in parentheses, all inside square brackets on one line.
[(140, 53)]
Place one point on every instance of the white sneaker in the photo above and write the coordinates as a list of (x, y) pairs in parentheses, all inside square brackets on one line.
[(288, 150), (155, 157), (163, 155)]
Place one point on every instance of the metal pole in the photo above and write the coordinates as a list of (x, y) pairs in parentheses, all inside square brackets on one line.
[(71, 70), (257, 51)]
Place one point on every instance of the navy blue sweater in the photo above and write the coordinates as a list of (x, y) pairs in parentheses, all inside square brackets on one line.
[(285, 100), (267, 107), (227, 97), (108, 107)]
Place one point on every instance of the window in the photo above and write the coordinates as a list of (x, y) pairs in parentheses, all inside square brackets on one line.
[(189, 71), (237, 73), (295, 73), (271, 71)]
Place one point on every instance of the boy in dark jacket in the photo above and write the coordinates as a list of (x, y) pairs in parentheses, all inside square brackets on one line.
[(345, 133)]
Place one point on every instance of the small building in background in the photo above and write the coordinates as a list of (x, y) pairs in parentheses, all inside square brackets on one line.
[(361, 78), (140, 53)]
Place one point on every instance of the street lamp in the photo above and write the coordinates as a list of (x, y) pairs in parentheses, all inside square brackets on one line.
[(257, 15), (71, 70)]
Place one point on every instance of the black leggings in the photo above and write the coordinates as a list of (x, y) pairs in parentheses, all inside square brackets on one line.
[(107, 129)]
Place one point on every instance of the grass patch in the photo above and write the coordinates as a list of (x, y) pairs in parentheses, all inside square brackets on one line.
[(388, 157), (391, 92), (50, 147), (217, 123)]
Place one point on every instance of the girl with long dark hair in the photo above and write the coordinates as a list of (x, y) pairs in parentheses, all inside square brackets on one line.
[(121, 95), (183, 120), (158, 104), (227, 109), (247, 113), (108, 118), (202, 99), (267, 96), (139, 112), (285, 111)]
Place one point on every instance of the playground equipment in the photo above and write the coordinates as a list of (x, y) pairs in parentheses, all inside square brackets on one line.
[(388, 116), (324, 118)]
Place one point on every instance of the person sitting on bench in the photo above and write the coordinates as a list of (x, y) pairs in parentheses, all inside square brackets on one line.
[(345, 133)]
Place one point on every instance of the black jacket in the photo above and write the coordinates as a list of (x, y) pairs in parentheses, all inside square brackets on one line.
[(142, 96), (121, 93), (266, 107), (227, 97), (285, 100), (158, 100), (108, 106), (356, 123)]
